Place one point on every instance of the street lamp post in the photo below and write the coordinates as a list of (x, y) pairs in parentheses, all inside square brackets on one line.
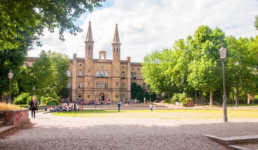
[(150, 95), (33, 88), (223, 55), (10, 76)]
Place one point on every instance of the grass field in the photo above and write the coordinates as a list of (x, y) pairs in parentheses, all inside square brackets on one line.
[(161, 114)]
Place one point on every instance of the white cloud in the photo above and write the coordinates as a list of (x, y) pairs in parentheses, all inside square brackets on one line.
[(149, 25)]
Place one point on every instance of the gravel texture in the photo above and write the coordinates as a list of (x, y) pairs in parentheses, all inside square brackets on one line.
[(54, 132)]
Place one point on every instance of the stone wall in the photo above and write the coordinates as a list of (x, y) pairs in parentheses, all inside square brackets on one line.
[(16, 117)]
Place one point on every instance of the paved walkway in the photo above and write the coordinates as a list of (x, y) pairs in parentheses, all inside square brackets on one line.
[(54, 132)]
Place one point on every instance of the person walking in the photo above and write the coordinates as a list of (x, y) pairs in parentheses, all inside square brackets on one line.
[(33, 107), (150, 106), (118, 106)]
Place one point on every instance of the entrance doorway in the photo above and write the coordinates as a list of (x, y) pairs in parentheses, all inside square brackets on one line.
[(102, 96)]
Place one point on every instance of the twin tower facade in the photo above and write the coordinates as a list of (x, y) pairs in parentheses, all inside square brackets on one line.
[(102, 78)]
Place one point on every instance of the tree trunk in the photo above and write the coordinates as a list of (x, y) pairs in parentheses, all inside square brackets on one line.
[(245, 97), (195, 96), (1, 100), (236, 94), (211, 100)]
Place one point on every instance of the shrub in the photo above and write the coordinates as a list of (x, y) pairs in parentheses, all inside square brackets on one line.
[(47, 100), (4, 106), (24, 98), (175, 97), (167, 100), (172, 101), (186, 100), (179, 97)]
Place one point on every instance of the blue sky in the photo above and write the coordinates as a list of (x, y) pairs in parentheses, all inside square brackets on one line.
[(149, 25)]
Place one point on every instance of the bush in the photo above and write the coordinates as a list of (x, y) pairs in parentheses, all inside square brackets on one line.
[(24, 98), (167, 100), (179, 97), (4, 106), (175, 97), (186, 100), (47, 100)]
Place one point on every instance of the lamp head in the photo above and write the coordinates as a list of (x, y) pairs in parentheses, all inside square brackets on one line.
[(223, 52), (10, 74)]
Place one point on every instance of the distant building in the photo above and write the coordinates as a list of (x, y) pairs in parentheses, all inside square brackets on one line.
[(101, 79)]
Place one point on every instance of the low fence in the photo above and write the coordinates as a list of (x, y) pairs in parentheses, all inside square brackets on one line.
[(16, 117)]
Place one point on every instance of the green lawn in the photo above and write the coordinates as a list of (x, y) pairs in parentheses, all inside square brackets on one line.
[(161, 114)]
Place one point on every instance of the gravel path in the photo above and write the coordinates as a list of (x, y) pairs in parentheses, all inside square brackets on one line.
[(54, 132)]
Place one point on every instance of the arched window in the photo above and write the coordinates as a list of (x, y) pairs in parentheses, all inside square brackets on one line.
[(116, 49), (80, 84), (68, 85), (106, 85), (89, 48), (97, 73), (102, 84), (123, 74), (80, 73), (143, 86), (123, 85), (123, 97), (106, 73), (134, 75), (102, 73), (68, 73), (97, 85)]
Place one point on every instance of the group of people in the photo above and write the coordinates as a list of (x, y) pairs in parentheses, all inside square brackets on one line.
[(62, 108)]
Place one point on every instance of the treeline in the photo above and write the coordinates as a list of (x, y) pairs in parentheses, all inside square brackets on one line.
[(193, 67)]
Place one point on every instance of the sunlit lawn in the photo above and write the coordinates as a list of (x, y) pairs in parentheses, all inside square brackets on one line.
[(161, 114)]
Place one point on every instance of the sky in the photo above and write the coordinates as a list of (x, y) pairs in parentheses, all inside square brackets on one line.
[(149, 25)]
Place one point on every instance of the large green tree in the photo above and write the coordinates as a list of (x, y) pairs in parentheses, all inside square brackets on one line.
[(48, 75), (33, 16)]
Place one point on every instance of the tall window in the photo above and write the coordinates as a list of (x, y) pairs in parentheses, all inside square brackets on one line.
[(102, 73), (68, 73), (106, 85), (80, 84), (123, 85), (102, 84), (143, 86), (80, 73), (117, 84), (106, 73), (123, 75), (131, 75), (134, 75), (97, 73), (123, 97), (97, 85), (68, 85)]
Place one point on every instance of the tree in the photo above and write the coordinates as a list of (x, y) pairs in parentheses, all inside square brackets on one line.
[(33, 16), (256, 22), (205, 73), (48, 75), (137, 92), (61, 63)]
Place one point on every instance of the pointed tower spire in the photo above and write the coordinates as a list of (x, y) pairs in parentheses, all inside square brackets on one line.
[(89, 34), (116, 36)]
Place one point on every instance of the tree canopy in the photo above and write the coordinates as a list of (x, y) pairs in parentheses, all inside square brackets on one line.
[(193, 66), (33, 16)]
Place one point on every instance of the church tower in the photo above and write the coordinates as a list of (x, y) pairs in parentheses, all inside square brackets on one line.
[(89, 66), (116, 80)]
